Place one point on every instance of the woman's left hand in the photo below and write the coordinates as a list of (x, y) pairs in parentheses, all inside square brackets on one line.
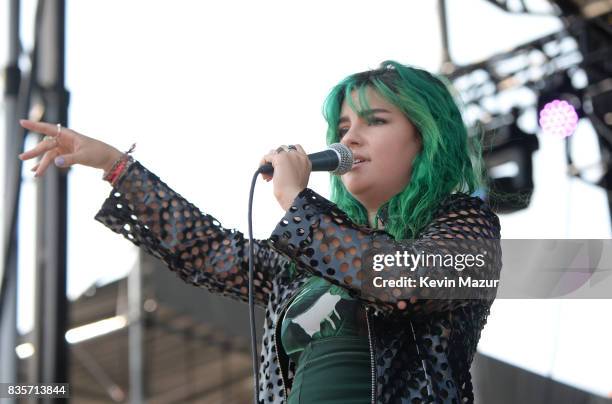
[(291, 173)]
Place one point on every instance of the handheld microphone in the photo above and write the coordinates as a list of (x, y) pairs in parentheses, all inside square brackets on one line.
[(337, 158)]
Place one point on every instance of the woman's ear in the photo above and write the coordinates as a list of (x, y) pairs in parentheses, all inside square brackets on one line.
[(420, 140)]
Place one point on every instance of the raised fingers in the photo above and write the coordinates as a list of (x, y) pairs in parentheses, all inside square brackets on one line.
[(40, 148), (45, 161), (43, 146), (39, 127)]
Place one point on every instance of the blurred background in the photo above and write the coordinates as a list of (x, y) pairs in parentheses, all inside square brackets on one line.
[(205, 89)]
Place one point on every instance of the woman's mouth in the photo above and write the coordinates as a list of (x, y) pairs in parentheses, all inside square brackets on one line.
[(359, 162)]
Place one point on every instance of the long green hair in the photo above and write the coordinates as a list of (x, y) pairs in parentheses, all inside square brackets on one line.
[(450, 161)]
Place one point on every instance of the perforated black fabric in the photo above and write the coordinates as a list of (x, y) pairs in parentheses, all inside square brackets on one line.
[(421, 349), (323, 240)]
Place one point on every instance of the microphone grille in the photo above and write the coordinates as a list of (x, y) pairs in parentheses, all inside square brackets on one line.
[(345, 156)]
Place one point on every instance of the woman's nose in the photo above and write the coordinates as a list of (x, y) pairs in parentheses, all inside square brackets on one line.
[(351, 137)]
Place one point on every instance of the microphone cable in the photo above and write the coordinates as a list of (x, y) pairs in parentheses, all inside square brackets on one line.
[(339, 160), (251, 303)]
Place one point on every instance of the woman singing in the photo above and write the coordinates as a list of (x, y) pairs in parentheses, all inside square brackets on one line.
[(331, 334)]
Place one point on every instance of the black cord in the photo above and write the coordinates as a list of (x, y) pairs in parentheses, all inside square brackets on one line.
[(251, 304)]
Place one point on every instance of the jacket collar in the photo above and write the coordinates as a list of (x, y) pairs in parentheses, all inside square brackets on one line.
[(383, 214)]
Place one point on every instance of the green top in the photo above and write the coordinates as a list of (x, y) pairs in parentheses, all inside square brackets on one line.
[(320, 309), (324, 331)]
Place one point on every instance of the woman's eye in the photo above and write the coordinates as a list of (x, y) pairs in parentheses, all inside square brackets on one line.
[(376, 121), (373, 121)]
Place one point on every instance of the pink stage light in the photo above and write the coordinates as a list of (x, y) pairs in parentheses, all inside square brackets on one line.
[(559, 118)]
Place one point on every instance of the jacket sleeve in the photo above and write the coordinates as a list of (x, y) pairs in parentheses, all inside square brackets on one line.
[(192, 244), (324, 241)]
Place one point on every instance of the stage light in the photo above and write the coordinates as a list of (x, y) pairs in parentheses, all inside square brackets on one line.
[(24, 350), (96, 329), (559, 105), (507, 152), (558, 118)]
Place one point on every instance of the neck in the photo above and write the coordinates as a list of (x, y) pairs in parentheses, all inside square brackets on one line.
[(372, 205), (372, 219)]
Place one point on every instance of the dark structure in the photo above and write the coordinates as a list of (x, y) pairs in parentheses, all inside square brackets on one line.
[(546, 67)]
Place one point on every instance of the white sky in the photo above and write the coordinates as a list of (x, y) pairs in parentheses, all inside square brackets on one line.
[(206, 88)]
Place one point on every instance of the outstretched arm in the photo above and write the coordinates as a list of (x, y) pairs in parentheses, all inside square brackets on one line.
[(193, 244)]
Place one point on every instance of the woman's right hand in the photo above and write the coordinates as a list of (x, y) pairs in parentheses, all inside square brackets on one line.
[(67, 148)]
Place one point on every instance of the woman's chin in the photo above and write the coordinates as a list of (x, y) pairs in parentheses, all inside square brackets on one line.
[(356, 187)]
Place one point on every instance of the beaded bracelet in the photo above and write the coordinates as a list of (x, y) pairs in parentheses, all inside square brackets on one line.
[(122, 168), (118, 168)]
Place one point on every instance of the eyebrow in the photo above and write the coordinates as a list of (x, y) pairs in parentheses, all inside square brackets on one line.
[(365, 113)]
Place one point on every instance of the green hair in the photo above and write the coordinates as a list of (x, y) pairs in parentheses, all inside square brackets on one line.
[(450, 161)]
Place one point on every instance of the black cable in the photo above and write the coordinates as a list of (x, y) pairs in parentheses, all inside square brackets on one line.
[(251, 304)]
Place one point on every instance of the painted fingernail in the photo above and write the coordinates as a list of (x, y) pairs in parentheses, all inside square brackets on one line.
[(59, 161)]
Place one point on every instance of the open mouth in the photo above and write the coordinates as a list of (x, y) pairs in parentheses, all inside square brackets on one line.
[(358, 162)]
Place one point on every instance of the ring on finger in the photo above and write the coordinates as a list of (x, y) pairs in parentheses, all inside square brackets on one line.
[(292, 147), (282, 148), (49, 137)]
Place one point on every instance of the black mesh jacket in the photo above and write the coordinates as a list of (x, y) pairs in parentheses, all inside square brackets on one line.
[(421, 349)]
